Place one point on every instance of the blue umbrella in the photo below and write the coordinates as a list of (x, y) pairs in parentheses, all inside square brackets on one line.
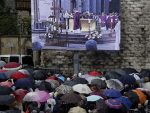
[(3, 76), (93, 98), (62, 78), (113, 103), (24, 83), (91, 45), (125, 101), (36, 46), (112, 93)]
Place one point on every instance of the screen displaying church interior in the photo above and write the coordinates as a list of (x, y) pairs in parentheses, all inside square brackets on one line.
[(76, 24)]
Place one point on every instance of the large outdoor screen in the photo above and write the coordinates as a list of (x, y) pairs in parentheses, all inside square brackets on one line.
[(76, 24)]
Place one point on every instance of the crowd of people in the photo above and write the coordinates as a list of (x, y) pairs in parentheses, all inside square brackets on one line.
[(34, 90)]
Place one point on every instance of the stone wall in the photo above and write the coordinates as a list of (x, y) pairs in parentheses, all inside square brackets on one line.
[(135, 44)]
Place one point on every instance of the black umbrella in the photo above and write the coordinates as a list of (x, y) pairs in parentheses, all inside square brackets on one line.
[(13, 111), (39, 75), (70, 83), (112, 75), (144, 73), (130, 70), (71, 98), (80, 80), (45, 86), (5, 90), (127, 79), (99, 83), (6, 99), (24, 83), (120, 71)]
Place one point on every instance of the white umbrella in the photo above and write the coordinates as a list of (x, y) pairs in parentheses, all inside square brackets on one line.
[(29, 97), (82, 89), (114, 84), (89, 78), (24, 71), (146, 85)]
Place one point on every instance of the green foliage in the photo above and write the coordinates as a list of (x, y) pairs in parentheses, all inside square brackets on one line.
[(8, 24), (26, 25), (8, 20)]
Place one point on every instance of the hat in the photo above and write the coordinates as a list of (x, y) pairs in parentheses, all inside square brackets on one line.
[(77, 110)]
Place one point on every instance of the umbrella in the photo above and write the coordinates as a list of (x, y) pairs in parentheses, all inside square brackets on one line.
[(94, 73), (30, 97), (120, 71), (24, 83), (113, 103), (4, 75), (19, 94), (127, 79), (52, 78), (63, 89), (62, 78), (12, 111), (135, 76), (71, 98), (99, 83), (5, 90), (125, 101), (43, 96), (89, 78), (146, 85), (45, 86), (91, 45), (39, 75), (6, 83), (112, 75), (82, 89), (141, 95), (114, 84), (93, 98), (54, 83), (36, 46), (133, 97), (70, 83), (79, 80), (130, 70), (101, 106), (12, 66), (18, 75), (24, 71), (77, 110), (144, 73), (6, 99), (2, 63), (112, 93)]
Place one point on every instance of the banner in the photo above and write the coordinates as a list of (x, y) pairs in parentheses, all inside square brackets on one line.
[(76, 24)]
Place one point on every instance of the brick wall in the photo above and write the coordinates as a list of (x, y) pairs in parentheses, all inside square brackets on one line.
[(135, 44)]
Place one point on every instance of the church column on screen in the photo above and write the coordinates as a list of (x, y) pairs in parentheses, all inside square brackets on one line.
[(66, 5), (106, 6), (98, 7), (36, 13), (93, 6), (85, 5)]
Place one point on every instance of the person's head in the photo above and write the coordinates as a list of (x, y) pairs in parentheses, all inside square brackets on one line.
[(146, 79), (94, 88)]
